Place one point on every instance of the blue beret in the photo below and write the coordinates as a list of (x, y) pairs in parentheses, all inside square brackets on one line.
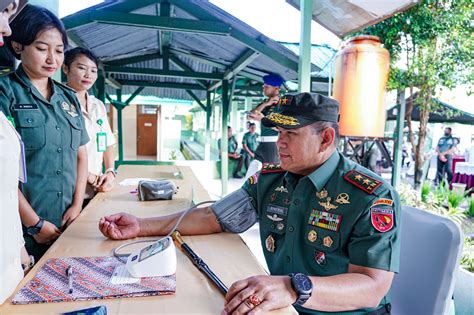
[(273, 80)]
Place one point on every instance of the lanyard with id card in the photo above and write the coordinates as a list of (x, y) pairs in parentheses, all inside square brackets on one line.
[(101, 138)]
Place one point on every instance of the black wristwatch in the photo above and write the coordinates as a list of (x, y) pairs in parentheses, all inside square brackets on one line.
[(303, 286), (35, 229)]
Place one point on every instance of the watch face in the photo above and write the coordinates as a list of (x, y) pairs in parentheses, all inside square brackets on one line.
[(303, 282)]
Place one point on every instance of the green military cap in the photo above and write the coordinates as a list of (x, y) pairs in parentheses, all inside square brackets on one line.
[(299, 110)]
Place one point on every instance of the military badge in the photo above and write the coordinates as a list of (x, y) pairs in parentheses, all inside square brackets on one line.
[(274, 218), (271, 168), (281, 189), (253, 179), (280, 226), (273, 197), (327, 241), (325, 220), (320, 258), (382, 219), (277, 210), (383, 201), (362, 181), (322, 194), (312, 236), (65, 106), (343, 199), (286, 100), (270, 243), (328, 205)]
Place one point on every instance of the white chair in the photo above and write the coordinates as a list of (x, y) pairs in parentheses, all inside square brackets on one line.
[(429, 259)]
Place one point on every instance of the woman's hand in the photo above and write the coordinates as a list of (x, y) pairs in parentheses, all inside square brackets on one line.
[(70, 215), (106, 182)]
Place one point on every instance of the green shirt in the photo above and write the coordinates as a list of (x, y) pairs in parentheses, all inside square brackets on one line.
[(318, 224), (52, 132), (250, 140)]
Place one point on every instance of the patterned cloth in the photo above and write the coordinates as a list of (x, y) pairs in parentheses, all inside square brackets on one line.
[(91, 281)]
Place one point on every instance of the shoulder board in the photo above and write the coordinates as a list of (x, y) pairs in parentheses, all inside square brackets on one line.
[(64, 86), (271, 168), (362, 181), (5, 71)]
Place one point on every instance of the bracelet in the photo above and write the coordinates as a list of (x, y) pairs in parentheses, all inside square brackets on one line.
[(111, 170)]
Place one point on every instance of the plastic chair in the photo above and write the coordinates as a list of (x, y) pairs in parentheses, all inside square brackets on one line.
[(429, 260)]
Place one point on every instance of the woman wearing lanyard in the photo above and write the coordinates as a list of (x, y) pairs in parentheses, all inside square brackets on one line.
[(80, 67), (48, 118)]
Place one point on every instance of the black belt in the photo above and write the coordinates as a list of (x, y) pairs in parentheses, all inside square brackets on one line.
[(384, 310)]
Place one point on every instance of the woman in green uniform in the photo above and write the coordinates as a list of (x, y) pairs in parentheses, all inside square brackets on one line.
[(48, 117)]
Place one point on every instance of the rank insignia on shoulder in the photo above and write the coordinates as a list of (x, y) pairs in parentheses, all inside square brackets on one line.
[(271, 168), (362, 181), (381, 219)]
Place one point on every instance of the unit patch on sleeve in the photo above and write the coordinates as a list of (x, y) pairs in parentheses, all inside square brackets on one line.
[(325, 220), (381, 218), (271, 168), (362, 181), (383, 201)]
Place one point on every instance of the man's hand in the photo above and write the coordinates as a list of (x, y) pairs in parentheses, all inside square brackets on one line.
[(120, 226), (48, 233), (442, 157), (105, 182), (274, 292), (92, 179), (256, 115), (70, 215)]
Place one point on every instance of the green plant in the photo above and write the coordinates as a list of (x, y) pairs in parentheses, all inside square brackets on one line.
[(173, 155), (454, 199), (467, 258), (425, 190), (470, 208)]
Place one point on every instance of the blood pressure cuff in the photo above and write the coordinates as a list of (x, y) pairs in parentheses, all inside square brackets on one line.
[(235, 212), (162, 189)]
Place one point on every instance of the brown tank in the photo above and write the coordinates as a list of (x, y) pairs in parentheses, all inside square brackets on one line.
[(361, 72)]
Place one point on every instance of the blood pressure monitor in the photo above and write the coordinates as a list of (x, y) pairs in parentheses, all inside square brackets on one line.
[(157, 259)]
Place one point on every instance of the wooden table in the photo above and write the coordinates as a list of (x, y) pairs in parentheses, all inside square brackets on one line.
[(226, 254)]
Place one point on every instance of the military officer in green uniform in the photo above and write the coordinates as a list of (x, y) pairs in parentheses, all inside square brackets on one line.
[(329, 227), (48, 117), (249, 144)]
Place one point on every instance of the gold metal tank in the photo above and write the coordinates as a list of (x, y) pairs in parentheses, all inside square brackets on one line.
[(360, 75)]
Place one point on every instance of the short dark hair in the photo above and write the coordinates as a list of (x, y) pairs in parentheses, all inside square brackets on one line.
[(450, 130), (31, 21), (72, 54), (251, 124), (319, 126)]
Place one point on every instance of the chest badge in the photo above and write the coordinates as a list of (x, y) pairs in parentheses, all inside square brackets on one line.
[(323, 194), (325, 220), (281, 189), (343, 199), (320, 258), (312, 236), (274, 217), (327, 241), (328, 205), (270, 244)]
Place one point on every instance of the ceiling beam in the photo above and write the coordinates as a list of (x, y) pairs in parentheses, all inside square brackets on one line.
[(113, 83), (131, 60), (252, 43), (167, 85), (194, 96), (238, 65), (185, 67), (163, 73), (159, 22), (134, 94)]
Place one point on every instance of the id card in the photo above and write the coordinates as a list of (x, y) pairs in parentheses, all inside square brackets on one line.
[(101, 142)]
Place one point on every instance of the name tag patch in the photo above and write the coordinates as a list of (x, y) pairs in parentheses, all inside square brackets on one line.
[(25, 106), (325, 220), (277, 210)]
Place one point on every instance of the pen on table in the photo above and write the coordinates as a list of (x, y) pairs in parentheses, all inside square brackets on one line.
[(70, 278)]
